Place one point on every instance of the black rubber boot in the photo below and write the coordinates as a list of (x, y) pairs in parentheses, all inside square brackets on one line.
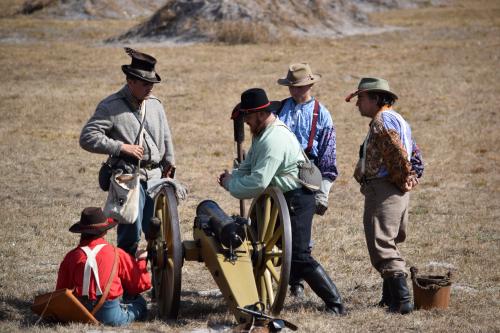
[(386, 299), (323, 286), (400, 294)]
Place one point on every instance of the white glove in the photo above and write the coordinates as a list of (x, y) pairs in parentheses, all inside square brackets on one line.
[(322, 196)]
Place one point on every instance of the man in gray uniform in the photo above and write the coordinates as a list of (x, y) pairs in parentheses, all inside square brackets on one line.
[(114, 130)]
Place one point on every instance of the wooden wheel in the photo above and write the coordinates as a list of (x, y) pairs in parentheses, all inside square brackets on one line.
[(166, 263), (271, 237)]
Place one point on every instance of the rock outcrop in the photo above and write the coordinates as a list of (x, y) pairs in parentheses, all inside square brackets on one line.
[(192, 20), (92, 9)]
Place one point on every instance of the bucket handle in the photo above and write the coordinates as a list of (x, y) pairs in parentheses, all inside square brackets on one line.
[(434, 286)]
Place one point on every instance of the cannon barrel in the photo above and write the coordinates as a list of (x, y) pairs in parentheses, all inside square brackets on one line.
[(238, 124), (228, 231), (239, 129)]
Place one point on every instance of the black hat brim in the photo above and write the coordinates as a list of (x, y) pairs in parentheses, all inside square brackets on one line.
[(129, 71), (272, 107)]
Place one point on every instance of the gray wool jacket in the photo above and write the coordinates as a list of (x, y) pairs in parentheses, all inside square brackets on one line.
[(114, 123)]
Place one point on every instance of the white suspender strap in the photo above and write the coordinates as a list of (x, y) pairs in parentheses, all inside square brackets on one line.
[(141, 133), (91, 266)]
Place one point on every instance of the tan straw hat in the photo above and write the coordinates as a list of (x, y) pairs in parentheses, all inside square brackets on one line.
[(372, 84), (299, 75)]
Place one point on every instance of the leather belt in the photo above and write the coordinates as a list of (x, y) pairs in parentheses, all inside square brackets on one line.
[(149, 166), (366, 181)]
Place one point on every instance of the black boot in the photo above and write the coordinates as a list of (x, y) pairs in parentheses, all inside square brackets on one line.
[(323, 286), (400, 294), (386, 295)]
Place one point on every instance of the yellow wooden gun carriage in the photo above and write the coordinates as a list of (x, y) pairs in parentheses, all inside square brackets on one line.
[(249, 257)]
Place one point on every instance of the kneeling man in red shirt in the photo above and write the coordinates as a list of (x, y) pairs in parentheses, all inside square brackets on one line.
[(88, 268)]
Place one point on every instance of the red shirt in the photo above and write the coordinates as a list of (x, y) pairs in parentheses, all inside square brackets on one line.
[(132, 275)]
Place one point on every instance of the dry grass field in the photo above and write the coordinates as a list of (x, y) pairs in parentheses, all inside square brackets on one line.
[(444, 64)]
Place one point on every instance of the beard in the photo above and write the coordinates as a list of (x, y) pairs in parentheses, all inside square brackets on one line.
[(257, 129), (254, 131)]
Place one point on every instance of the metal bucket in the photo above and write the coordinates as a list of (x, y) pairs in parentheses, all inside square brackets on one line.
[(431, 291)]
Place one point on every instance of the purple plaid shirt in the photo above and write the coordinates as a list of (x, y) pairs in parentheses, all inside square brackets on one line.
[(298, 117)]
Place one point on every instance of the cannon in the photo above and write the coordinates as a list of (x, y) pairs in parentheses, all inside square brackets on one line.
[(249, 257)]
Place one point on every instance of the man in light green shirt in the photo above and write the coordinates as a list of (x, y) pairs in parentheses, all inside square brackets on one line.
[(267, 163), (274, 153)]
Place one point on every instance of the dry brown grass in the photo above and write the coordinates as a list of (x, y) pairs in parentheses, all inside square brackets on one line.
[(444, 66), (239, 32), (10, 7)]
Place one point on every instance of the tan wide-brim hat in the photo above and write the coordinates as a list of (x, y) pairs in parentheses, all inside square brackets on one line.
[(372, 84), (299, 75)]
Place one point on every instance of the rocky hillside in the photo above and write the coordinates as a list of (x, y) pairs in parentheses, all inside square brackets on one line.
[(188, 20), (92, 9), (233, 21)]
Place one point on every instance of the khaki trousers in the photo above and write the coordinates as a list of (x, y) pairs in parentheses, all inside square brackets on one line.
[(385, 219)]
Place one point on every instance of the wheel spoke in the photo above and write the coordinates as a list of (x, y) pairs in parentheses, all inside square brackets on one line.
[(257, 281), (272, 222), (272, 270), (269, 286), (263, 291), (265, 217), (276, 236)]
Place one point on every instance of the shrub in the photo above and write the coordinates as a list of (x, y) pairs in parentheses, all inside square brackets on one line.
[(240, 32)]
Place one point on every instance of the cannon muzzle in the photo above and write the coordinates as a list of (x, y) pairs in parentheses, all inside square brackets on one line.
[(238, 124), (229, 231)]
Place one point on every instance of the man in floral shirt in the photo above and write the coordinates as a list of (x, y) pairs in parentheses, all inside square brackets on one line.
[(388, 168)]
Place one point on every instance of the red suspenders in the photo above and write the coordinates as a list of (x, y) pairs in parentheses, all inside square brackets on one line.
[(314, 123), (313, 126)]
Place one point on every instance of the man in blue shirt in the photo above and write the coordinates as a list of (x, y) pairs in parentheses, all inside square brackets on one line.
[(313, 126)]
